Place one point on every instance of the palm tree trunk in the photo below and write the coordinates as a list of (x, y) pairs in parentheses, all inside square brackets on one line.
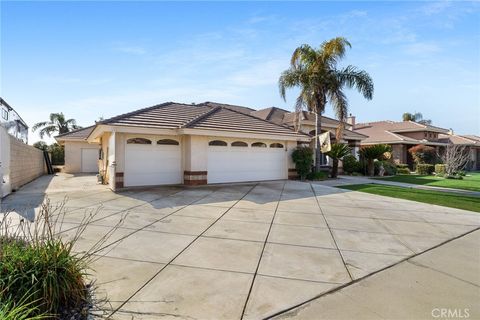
[(335, 168), (318, 152)]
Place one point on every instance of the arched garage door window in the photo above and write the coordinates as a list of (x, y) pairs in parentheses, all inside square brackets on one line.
[(139, 141), (276, 145), (259, 145), (239, 144), (218, 143), (168, 142)]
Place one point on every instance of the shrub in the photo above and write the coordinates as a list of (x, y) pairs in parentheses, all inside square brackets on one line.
[(440, 169), (425, 169), (423, 154), (303, 159), (351, 164), (390, 168), (321, 175), (453, 176), (58, 154), (403, 171), (40, 269), (402, 165)]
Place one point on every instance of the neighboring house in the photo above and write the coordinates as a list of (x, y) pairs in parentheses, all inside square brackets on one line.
[(80, 156), (403, 135), (471, 142), (307, 125), (12, 122), (192, 144)]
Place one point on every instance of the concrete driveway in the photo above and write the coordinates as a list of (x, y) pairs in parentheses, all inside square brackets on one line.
[(239, 251)]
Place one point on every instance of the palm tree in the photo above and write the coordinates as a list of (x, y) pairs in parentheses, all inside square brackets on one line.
[(416, 117), (57, 123), (372, 153), (321, 81), (337, 152)]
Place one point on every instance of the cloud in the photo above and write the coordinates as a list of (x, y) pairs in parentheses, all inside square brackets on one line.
[(421, 48), (436, 7)]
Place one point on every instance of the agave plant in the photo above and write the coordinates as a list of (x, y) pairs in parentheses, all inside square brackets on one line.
[(338, 151), (372, 153)]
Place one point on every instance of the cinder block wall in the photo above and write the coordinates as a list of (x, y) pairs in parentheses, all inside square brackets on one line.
[(26, 163)]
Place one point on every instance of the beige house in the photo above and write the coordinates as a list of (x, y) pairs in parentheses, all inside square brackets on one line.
[(402, 135), (174, 143), (80, 156)]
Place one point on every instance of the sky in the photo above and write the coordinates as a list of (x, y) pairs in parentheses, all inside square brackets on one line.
[(99, 59)]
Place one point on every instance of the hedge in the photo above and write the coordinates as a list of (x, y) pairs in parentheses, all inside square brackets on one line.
[(425, 169)]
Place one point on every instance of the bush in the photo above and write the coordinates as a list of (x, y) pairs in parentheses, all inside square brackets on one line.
[(317, 175), (390, 168), (425, 169), (374, 152), (39, 272), (58, 154), (403, 171), (402, 165), (303, 159), (453, 176), (440, 169), (351, 164), (423, 154)]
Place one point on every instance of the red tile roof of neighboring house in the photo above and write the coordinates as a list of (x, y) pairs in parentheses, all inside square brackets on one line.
[(460, 140)]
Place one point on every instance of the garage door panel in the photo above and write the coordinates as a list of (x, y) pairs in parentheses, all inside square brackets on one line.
[(152, 165), (245, 164)]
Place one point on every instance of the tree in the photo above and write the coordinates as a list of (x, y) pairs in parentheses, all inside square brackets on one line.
[(423, 154), (57, 123), (302, 157), (338, 151), (372, 153), (416, 117), (41, 145), (455, 158), (321, 81)]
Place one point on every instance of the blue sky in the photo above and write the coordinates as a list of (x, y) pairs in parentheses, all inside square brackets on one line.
[(92, 59)]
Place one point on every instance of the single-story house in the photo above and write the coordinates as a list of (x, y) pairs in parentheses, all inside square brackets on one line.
[(80, 156), (192, 144), (402, 135)]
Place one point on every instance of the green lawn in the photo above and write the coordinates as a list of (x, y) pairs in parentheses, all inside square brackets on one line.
[(427, 196), (470, 182)]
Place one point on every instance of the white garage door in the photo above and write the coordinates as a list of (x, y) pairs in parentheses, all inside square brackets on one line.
[(89, 160), (237, 164), (152, 164)]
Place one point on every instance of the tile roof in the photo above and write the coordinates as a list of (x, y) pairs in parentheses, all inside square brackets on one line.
[(398, 126), (472, 137), (78, 134), (208, 116), (461, 140)]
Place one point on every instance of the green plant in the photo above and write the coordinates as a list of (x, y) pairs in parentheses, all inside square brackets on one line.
[(56, 123), (440, 169), (402, 165), (22, 309), (303, 159), (351, 164), (403, 171), (372, 153), (338, 151), (58, 154), (390, 168), (453, 176), (321, 175), (321, 81), (41, 145), (357, 174), (425, 169), (423, 154)]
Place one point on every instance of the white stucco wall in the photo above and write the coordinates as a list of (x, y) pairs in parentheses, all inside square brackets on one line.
[(73, 155)]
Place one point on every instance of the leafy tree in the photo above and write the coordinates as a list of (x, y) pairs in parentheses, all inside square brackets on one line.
[(423, 154), (57, 123), (321, 81), (41, 145), (303, 158), (372, 153), (338, 151), (416, 117)]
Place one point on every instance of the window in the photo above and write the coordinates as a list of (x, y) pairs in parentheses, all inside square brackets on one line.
[(139, 141), (276, 145), (168, 142), (259, 145), (239, 144), (218, 143), (4, 114)]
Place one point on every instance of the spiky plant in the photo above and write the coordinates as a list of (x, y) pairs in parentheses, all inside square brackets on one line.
[(372, 153), (320, 80), (338, 151)]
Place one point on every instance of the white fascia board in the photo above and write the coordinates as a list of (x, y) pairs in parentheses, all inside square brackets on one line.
[(245, 135)]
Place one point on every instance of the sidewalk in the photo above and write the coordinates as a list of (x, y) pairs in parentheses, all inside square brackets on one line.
[(349, 180), (443, 281)]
